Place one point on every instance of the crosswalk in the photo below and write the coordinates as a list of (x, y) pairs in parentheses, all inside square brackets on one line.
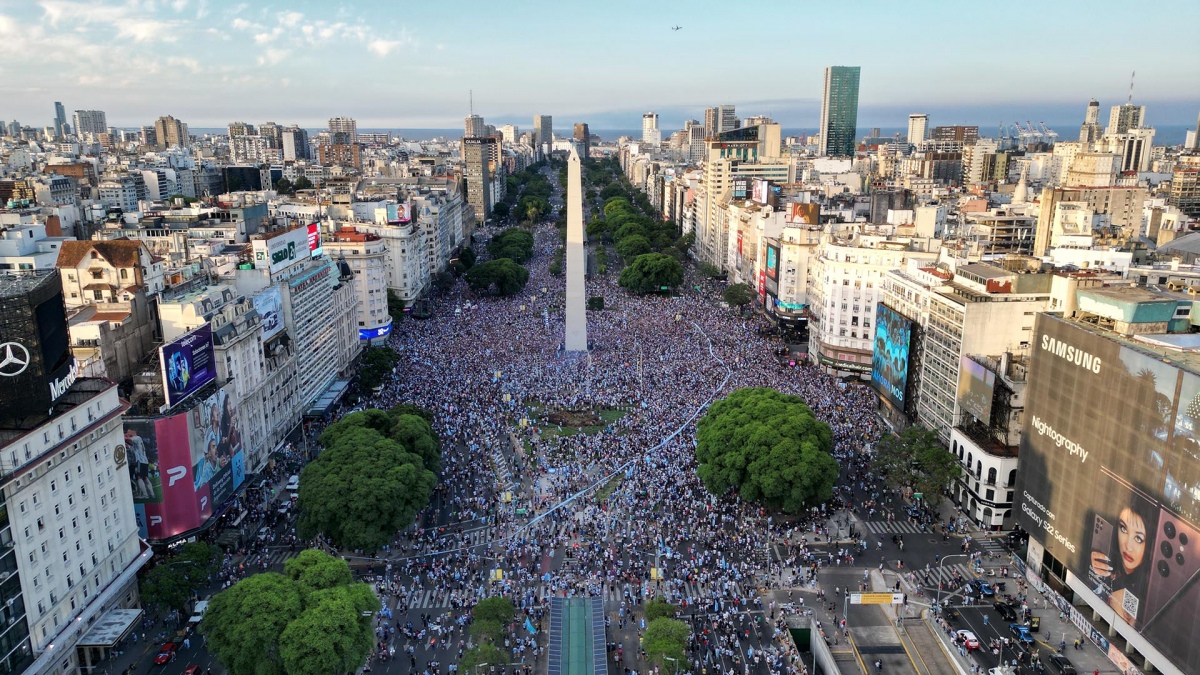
[(692, 593), (897, 527)]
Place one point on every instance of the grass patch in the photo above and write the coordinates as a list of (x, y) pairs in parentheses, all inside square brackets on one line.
[(610, 487), (610, 415)]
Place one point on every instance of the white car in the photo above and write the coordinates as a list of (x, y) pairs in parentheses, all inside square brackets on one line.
[(968, 639)]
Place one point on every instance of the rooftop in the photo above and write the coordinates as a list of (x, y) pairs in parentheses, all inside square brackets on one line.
[(20, 283)]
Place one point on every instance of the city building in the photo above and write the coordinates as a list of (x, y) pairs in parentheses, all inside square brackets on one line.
[(61, 128), (474, 127), (917, 123), (365, 254), (510, 133), (1185, 185), (1112, 411), (90, 122), (583, 139), (479, 167), (343, 130), (1122, 118), (839, 111), (170, 133), (1090, 130), (68, 519), (719, 119), (295, 144), (543, 133), (957, 133), (32, 246), (651, 135)]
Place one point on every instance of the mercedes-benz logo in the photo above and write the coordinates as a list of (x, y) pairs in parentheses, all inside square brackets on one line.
[(14, 359)]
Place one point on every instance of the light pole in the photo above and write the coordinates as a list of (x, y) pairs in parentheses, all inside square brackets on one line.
[(940, 563), (674, 660)]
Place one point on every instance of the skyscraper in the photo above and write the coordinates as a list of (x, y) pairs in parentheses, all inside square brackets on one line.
[(543, 132), (61, 128), (474, 127), (511, 133), (1089, 131), (839, 111), (170, 133), (346, 126), (583, 139), (917, 122), (1122, 118), (295, 143), (477, 156), (720, 118), (90, 122), (650, 133)]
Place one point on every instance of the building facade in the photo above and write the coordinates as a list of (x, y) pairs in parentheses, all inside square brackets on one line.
[(839, 111)]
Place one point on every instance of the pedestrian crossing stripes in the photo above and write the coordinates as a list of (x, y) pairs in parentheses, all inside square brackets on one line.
[(898, 527), (693, 593)]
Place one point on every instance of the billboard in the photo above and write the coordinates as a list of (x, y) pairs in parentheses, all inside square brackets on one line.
[(762, 191), (278, 252), (804, 214), (772, 262), (741, 188), (889, 363), (314, 240), (269, 303), (183, 466), (399, 213), (976, 385), (36, 364), (1110, 480), (187, 364)]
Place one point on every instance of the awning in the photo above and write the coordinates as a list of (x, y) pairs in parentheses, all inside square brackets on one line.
[(328, 398), (110, 628)]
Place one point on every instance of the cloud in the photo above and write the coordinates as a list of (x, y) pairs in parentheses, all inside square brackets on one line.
[(190, 64), (272, 56), (382, 48), (242, 24), (179, 5), (290, 19), (128, 20)]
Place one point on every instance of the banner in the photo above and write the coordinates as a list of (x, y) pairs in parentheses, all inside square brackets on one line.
[(187, 364), (269, 303)]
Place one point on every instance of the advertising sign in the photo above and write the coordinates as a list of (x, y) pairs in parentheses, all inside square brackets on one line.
[(187, 364), (762, 285), (976, 385), (1110, 464), (218, 461), (373, 333), (762, 191), (269, 303), (889, 363), (278, 252), (804, 214), (741, 187), (314, 240), (399, 213), (773, 262)]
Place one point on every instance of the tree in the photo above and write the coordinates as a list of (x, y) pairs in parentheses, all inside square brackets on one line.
[(302, 183), (364, 486), (496, 608), (629, 229), (395, 306), (632, 246), (659, 608), (739, 295), (174, 582), (502, 276), (312, 619), (710, 270), (377, 364), (283, 186), (410, 409), (650, 272), (666, 638), (467, 257), (768, 446), (514, 243), (500, 210), (915, 459), (482, 654)]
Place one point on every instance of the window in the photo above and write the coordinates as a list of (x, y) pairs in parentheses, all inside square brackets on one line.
[(97, 274), (989, 495), (124, 274)]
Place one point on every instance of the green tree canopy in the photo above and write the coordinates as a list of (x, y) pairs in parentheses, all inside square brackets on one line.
[(311, 620), (631, 228), (666, 638), (302, 183), (738, 295), (650, 272), (283, 186), (377, 365), (467, 257), (614, 205), (502, 276), (770, 447), (479, 655), (410, 409), (173, 582), (659, 608), (500, 209), (363, 487), (395, 306), (632, 246), (514, 243), (915, 459)]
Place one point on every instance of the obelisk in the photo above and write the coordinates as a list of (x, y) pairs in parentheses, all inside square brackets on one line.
[(576, 325)]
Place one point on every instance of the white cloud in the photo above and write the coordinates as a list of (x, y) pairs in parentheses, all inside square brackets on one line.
[(179, 5), (241, 24), (130, 21), (273, 56), (192, 65), (290, 19), (382, 47)]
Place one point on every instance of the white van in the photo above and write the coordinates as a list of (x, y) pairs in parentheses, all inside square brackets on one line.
[(293, 483), (198, 613)]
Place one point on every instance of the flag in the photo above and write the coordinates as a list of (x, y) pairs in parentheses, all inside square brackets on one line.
[(529, 627)]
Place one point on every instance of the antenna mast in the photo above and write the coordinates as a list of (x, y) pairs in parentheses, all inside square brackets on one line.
[(471, 95), (1129, 100)]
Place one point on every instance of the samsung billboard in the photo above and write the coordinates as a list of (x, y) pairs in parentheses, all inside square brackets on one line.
[(889, 361), (187, 364), (1109, 480)]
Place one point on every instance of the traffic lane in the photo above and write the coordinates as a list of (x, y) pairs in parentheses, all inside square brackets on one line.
[(972, 618)]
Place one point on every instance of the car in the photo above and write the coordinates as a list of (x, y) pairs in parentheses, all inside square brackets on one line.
[(1059, 664), (166, 654), (967, 638), (1021, 632), (192, 669), (1007, 613), (982, 587)]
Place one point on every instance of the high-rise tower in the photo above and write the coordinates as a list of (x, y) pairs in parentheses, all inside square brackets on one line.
[(839, 111)]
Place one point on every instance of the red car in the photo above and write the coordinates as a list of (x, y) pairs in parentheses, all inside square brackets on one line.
[(166, 654), (192, 669)]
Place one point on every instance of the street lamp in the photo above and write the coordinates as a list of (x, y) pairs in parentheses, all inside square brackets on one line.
[(940, 563), (673, 659)]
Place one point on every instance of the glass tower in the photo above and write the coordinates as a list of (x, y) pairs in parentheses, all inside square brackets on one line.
[(839, 111)]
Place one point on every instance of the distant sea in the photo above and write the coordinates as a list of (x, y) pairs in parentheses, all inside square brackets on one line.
[(1164, 134)]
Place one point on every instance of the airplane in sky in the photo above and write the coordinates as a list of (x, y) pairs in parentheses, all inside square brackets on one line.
[(676, 27)]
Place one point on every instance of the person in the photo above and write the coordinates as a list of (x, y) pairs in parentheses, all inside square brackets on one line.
[(1126, 582), (207, 467)]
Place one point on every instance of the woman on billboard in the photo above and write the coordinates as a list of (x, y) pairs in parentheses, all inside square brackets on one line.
[(1120, 557)]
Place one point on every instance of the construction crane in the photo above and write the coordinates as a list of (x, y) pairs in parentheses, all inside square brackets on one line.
[(1050, 135)]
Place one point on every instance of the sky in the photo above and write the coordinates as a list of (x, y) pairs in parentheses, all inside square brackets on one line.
[(415, 64)]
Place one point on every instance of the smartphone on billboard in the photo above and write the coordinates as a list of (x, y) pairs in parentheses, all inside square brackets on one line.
[(1102, 539), (1176, 562)]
